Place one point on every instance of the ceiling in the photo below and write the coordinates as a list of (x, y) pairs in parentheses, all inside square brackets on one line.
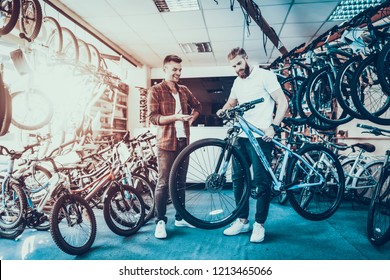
[(148, 36)]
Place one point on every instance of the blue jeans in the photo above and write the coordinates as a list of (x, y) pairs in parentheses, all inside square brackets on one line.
[(165, 161), (262, 181)]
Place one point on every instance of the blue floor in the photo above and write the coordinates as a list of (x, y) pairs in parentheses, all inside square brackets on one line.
[(288, 237)]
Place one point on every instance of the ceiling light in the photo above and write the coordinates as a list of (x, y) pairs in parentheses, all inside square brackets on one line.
[(196, 47), (347, 9), (176, 5)]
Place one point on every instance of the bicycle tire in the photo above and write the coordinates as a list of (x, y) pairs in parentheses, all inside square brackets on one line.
[(29, 106), (207, 200), (10, 14), (367, 177), (292, 104), (124, 209), (378, 220), (14, 206), (66, 215), (319, 92), (52, 38), (70, 47), (6, 121), (95, 57), (84, 53), (383, 66), (13, 233), (378, 110), (315, 203), (30, 33), (146, 189), (343, 86)]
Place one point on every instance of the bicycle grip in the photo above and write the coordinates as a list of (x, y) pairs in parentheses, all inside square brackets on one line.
[(364, 126), (256, 101)]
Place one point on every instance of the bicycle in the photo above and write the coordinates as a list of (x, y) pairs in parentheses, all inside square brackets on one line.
[(314, 179), (72, 221), (378, 219)]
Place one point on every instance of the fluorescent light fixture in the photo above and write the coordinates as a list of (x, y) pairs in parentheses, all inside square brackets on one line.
[(196, 47), (176, 5), (347, 9)]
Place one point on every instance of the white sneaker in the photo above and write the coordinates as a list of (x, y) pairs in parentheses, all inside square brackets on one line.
[(160, 231), (258, 233), (183, 223), (237, 227)]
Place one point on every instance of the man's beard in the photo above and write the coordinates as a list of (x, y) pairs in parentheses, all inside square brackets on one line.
[(245, 73)]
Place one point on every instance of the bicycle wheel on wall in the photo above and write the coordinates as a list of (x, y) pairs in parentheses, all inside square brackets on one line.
[(204, 195), (9, 14), (383, 65), (367, 93), (31, 19), (31, 109), (315, 202)]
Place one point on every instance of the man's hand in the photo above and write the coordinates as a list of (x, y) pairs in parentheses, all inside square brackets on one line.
[(183, 118), (220, 112), (269, 134)]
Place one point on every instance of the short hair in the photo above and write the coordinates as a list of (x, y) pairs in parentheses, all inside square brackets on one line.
[(236, 51), (173, 58)]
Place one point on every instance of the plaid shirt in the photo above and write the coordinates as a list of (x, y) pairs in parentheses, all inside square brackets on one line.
[(162, 103)]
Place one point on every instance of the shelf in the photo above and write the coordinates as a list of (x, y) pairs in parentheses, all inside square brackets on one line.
[(121, 106), (111, 130)]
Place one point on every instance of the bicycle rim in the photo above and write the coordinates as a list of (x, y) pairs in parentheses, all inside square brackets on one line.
[(204, 195)]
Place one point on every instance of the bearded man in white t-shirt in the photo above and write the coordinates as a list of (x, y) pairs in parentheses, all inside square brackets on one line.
[(253, 83)]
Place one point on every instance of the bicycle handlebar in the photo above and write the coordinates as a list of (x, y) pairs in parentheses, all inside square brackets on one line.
[(230, 113), (373, 130)]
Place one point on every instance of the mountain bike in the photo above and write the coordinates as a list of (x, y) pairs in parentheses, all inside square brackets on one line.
[(378, 220), (200, 181)]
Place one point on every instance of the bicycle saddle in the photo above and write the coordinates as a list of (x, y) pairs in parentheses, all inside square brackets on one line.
[(365, 146)]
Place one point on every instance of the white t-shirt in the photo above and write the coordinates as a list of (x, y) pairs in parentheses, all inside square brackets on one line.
[(260, 83), (179, 125)]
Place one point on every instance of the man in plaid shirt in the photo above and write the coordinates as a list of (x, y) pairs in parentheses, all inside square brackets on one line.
[(172, 108)]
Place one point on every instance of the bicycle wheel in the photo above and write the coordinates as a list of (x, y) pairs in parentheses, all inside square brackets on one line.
[(31, 19), (84, 53), (31, 110), (343, 86), (365, 181), (9, 14), (383, 65), (349, 174), (204, 196), (321, 98), (367, 93), (70, 47), (124, 209), (73, 224), (321, 201), (13, 233), (13, 205), (5, 119), (290, 85), (378, 221), (50, 37), (146, 189)]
